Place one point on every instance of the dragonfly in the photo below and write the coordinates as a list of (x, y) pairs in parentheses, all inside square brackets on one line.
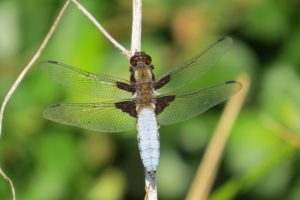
[(142, 102)]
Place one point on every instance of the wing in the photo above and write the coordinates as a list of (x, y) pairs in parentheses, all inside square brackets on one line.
[(188, 105), (92, 116), (89, 83), (194, 68)]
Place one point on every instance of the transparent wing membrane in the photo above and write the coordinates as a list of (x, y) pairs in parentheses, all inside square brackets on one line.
[(92, 116), (188, 105), (113, 116), (194, 68), (89, 83)]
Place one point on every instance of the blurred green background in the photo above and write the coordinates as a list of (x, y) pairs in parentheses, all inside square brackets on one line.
[(50, 161)]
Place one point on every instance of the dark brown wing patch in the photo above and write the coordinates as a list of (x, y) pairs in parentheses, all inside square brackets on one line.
[(127, 106), (125, 86), (162, 82), (163, 102)]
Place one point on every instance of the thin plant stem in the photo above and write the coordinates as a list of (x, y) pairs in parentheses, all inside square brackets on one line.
[(135, 46), (207, 171), (31, 62), (11, 185), (136, 26), (122, 49), (284, 133), (150, 182), (150, 187), (20, 78)]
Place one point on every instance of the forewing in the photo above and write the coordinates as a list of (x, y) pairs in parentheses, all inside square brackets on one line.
[(194, 68), (189, 105), (89, 83), (104, 117)]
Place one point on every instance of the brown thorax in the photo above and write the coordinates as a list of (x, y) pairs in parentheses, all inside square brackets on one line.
[(142, 77)]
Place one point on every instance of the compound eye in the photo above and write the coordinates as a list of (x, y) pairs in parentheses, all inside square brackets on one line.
[(133, 61), (148, 60)]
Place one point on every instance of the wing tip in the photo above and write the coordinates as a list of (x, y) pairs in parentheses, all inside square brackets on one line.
[(230, 81), (237, 84), (45, 114), (43, 64), (54, 105), (46, 111), (51, 61), (229, 39), (233, 82)]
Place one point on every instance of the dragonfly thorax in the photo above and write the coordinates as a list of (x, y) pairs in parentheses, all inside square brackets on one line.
[(142, 76), (145, 93)]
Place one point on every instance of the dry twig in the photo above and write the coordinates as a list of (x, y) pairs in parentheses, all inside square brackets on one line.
[(283, 132), (102, 30), (22, 75), (206, 172), (135, 46), (136, 26), (11, 184), (150, 183)]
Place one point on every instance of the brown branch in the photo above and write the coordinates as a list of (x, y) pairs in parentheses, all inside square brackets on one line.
[(206, 172)]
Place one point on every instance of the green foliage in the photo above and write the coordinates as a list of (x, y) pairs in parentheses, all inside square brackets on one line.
[(52, 161)]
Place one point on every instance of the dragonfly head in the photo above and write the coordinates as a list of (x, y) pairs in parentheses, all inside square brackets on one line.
[(140, 59), (141, 67)]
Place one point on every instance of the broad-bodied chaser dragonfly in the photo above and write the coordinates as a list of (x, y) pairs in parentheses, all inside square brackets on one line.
[(143, 100)]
